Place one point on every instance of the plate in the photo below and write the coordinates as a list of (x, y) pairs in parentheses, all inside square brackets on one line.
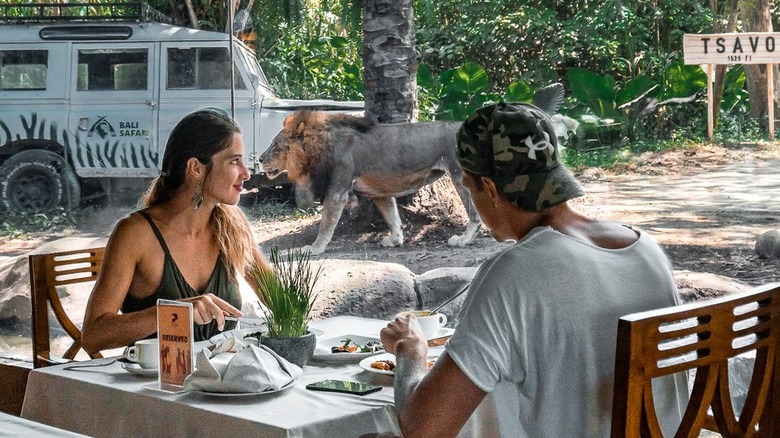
[(433, 354), (242, 394), (136, 369), (322, 351)]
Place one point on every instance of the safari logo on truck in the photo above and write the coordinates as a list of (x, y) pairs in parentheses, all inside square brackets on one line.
[(102, 127)]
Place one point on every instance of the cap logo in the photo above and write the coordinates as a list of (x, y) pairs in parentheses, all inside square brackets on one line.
[(540, 146)]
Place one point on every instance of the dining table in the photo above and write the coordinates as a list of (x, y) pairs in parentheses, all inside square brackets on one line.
[(12, 426), (109, 401)]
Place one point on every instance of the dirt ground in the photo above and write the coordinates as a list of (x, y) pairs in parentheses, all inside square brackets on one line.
[(706, 206)]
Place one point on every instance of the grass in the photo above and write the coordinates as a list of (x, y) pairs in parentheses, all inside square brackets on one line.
[(278, 211), (607, 157), (24, 225), (287, 292)]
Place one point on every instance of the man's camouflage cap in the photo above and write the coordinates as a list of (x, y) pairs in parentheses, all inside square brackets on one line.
[(515, 145)]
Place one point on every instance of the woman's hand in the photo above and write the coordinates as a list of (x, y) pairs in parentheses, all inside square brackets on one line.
[(208, 307)]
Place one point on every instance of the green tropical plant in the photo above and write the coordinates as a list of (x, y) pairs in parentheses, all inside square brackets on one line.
[(287, 290)]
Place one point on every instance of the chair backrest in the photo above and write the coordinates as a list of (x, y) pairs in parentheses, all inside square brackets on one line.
[(47, 271), (701, 336)]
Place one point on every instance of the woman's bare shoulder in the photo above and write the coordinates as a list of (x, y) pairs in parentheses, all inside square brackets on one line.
[(132, 229)]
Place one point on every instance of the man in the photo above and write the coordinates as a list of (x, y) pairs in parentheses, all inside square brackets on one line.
[(538, 327)]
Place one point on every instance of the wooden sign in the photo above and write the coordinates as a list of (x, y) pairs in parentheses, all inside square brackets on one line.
[(732, 48)]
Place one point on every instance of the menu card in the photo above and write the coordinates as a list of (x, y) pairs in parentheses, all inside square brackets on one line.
[(175, 335)]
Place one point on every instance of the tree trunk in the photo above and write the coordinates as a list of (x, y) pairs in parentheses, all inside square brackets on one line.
[(389, 60), (720, 69), (757, 18)]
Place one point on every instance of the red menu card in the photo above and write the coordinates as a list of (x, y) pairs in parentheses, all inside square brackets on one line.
[(174, 332)]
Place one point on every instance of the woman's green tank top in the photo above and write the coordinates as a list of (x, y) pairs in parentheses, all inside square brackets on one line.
[(173, 286)]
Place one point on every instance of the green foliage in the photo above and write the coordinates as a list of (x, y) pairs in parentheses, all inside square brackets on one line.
[(307, 67), (25, 224), (312, 51), (287, 291), (456, 93)]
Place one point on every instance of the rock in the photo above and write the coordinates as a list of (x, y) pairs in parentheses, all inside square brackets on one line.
[(364, 288), (437, 285), (693, 286), (768, 245), (15, 283)]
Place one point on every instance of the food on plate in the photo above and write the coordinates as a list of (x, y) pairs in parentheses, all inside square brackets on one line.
[(350, 346), (389, 364)]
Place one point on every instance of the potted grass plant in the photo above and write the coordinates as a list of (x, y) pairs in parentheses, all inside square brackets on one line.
[(287, 291)]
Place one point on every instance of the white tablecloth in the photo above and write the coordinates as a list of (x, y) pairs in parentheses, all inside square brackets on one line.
[(15, 427), (110, 402)]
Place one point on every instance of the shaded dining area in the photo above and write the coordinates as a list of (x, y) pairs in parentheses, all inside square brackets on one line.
[(107, 396)]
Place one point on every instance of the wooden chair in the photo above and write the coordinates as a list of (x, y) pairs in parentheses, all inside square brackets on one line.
[(701, 336), (47, 271)]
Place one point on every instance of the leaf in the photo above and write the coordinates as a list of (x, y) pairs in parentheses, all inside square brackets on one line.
[(684, 80), (470, 78), (634, 88), (598, 92), (339, 42), (518, 92)]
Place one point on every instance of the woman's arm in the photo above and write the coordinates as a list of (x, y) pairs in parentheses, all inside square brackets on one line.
[(104, 327)]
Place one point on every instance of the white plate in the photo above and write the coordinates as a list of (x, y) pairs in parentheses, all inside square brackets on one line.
[(243, 394), (323, 353), (137, 370), (433, 354)]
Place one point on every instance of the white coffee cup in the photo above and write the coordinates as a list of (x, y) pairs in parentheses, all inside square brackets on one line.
[(146, 353), (431, 323)]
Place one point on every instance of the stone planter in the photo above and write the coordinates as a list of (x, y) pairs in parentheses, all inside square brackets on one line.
[(295, 350)]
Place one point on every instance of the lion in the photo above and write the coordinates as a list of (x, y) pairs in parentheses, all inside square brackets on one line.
[(339, 156)]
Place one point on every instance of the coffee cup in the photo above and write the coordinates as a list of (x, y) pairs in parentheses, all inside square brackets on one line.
[(430, 323), (146, 353)]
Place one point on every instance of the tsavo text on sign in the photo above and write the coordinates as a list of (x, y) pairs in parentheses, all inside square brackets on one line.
[(732, 48)]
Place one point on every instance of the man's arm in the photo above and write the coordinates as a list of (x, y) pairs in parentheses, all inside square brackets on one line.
[(429, 404)]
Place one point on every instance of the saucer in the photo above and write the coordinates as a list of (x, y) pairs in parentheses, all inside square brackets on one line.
[(136, 369), (444, 331)]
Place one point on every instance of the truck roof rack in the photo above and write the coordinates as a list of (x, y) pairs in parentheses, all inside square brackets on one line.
[(80, 13)]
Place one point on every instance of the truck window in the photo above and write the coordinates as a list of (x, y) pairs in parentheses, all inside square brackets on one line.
[(201, 68), (23, 69), (112, 69)]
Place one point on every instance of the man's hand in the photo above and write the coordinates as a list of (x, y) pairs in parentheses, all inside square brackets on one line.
[(403, 337)]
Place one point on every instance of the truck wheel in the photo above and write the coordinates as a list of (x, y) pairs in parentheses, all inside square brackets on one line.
[(37, 180)]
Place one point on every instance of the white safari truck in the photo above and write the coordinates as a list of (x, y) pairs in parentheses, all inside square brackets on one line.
[(87, 99)]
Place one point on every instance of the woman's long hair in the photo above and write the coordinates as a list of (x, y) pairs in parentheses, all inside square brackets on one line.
[(201, 135)]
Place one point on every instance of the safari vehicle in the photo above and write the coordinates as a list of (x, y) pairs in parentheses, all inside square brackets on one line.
[(90, 92)]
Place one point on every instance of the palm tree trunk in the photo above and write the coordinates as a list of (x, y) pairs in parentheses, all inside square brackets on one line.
[(389, 60)]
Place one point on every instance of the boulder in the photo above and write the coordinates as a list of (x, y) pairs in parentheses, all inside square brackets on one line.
[(768, 245), (363, 288), (438, 285), (15, 302), (693, 286)]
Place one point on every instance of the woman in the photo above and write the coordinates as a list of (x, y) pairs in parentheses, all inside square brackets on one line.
[(190, 242)]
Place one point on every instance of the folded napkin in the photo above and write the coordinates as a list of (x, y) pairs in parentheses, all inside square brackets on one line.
[(237, 367)]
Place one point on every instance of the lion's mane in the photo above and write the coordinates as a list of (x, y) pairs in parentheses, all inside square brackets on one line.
[(312, 136)]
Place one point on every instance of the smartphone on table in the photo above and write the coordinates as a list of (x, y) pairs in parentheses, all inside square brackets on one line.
[(345, 386)]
